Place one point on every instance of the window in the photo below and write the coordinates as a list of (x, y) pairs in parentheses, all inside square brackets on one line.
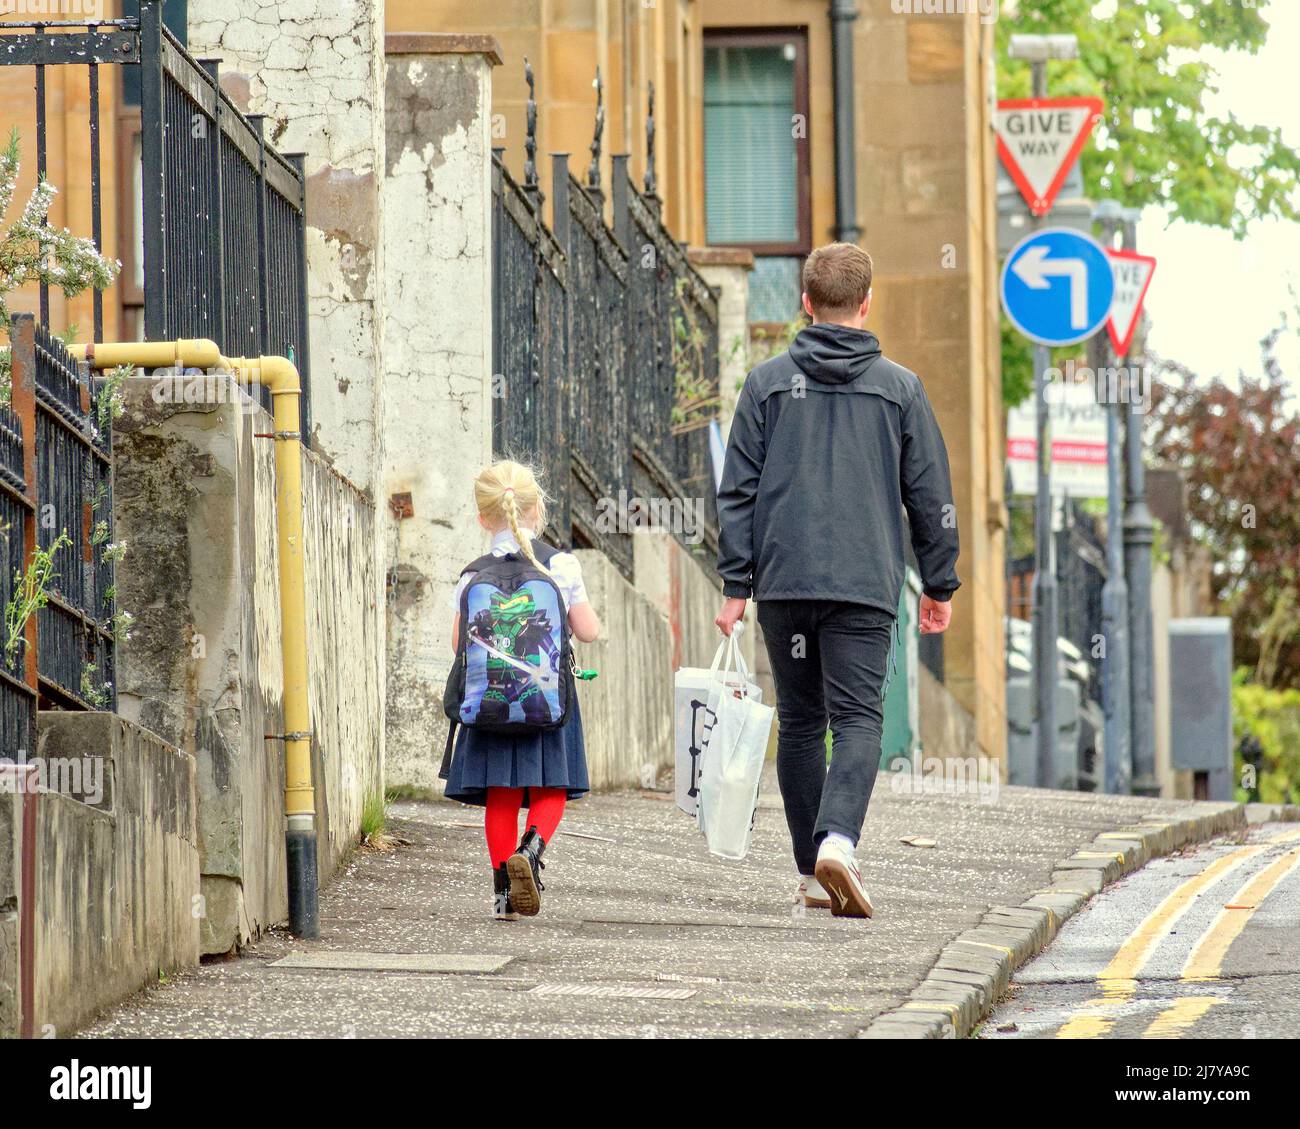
[(756, 159)]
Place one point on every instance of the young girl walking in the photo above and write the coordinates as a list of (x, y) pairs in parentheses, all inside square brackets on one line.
[(539, 768)]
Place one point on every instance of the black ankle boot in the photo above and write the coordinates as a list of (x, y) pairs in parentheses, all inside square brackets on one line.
[(502, 908), (525, 867)]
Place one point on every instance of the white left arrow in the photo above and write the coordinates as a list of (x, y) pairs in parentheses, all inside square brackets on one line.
[(1034, 268)]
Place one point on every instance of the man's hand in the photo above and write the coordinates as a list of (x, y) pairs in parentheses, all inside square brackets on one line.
[(732, 612), (935, 615)]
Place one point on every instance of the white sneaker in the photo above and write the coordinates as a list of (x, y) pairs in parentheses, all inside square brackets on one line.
[(837, 871), (811, 893)]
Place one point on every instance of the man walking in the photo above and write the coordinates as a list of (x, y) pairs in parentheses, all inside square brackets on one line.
[(831, 441)]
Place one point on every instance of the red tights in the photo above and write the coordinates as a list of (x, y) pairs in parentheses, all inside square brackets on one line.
[(501, 821)]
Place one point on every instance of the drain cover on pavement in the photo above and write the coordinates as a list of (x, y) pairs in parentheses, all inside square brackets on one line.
[(396, 962), (612, 992)]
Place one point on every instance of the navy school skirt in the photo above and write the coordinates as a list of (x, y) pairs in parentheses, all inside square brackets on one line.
[(553, 758)]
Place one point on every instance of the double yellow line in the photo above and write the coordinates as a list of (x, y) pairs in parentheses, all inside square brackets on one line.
[(1118, 980)]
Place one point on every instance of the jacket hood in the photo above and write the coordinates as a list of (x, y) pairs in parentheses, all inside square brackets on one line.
[(834, 354)]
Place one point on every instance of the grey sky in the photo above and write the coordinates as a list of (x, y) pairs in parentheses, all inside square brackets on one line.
[(1213, 298)]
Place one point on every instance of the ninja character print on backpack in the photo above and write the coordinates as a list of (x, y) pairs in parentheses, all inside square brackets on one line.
[(513, 671), (514, 735)]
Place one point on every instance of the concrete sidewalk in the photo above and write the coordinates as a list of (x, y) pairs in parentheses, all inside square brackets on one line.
[(639, 905)]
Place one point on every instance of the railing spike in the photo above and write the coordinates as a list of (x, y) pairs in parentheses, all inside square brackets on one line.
[(530, 136), (593, 170), (650, 142)]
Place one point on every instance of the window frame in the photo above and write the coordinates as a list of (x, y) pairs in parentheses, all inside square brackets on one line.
[(128, 227), (773, 37)]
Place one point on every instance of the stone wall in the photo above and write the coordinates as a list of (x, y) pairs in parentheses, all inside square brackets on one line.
[(195, 504), (315, 69), (947, 730), (683, 587), (627, 711), (345, 657), (438, 350), (115, 872)]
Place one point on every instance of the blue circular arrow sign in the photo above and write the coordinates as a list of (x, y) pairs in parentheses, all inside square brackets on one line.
[(1057, 286)]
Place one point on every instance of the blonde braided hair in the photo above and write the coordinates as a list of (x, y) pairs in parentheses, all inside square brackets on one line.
[(506, 491)]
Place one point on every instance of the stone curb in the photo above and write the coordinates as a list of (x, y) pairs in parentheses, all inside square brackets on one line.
[(1273, 813), (974, 970)]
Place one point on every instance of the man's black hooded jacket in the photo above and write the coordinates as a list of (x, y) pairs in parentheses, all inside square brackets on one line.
[(830, 442)]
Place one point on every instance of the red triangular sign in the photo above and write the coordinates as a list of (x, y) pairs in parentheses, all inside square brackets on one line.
[(1039, 139), (1133, 274)]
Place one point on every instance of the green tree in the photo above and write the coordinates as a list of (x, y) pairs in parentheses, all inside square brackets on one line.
[(1239, 449), (1272, 718), (1158, 143)]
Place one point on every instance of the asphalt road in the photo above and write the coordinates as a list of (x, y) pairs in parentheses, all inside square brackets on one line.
[(1205, 944)]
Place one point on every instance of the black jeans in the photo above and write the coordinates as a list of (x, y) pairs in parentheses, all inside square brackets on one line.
[(830, 661)]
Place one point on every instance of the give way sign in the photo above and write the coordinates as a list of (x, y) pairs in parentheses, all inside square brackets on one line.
[(1132, 279), (1039, 139)]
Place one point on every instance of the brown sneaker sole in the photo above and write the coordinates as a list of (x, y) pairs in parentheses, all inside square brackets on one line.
[(524, 895), (847, 900), (816, 903)]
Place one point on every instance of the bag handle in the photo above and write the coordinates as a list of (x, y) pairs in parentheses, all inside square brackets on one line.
[(729, 658), (742, 667)]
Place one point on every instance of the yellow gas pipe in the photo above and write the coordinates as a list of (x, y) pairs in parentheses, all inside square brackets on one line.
[(281, 377)]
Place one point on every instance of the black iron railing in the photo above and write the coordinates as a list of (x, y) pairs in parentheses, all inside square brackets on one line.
[(17, 527), (673, 357), (74, 480), (224, 229), (605, 350), (530, 340), (600, 444), (1080, 577), (56, 502), (223, 212)]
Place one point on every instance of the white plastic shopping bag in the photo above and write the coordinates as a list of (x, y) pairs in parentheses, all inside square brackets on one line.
[(732, 763), (692, 721)]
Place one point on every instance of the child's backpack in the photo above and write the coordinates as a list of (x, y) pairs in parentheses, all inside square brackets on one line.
[(513, 671)]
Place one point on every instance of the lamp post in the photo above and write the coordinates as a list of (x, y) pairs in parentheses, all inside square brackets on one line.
[(1139, 535)]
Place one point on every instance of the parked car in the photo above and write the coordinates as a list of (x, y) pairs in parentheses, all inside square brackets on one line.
[(1079, 716)]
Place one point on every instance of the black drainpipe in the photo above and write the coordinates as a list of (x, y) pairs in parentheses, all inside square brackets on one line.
[(843, 13)]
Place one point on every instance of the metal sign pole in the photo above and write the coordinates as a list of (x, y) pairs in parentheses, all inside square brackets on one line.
[(1045, 610), (1046, 734), (1114, 594)]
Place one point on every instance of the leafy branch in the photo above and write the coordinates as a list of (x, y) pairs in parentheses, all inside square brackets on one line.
[(32, 250), (1159, 143), (31, 594), (110, 402)]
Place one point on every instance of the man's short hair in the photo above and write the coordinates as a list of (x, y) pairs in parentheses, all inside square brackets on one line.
[(837, 278)]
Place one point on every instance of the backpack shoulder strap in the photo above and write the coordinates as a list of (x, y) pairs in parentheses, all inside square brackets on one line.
[(445, 766), (544, 551), (541, 550), (478, 564)]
